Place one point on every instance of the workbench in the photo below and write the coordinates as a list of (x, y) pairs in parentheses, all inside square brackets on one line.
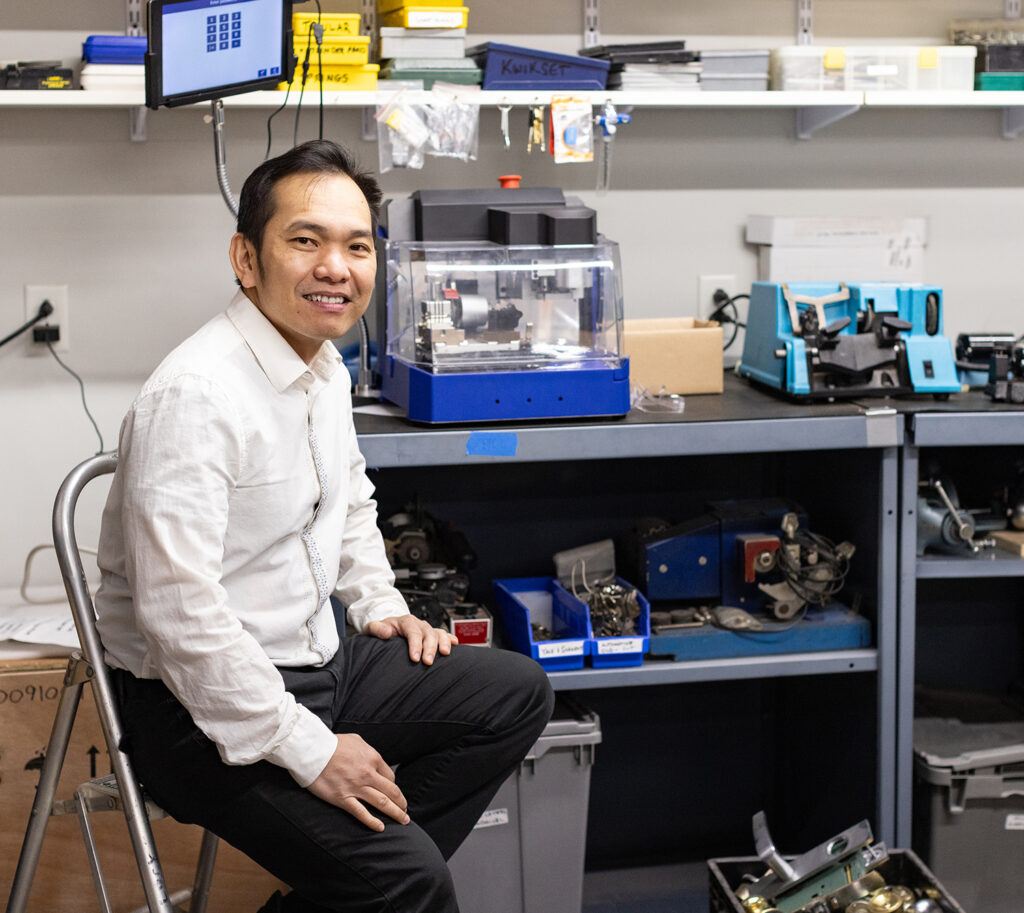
[(701, 744)]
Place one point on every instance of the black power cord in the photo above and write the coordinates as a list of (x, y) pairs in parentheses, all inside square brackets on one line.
[(45, 310), (723, 303), (81, 386)]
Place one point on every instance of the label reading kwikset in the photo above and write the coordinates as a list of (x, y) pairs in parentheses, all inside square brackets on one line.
[(620, 645), (557, 648)]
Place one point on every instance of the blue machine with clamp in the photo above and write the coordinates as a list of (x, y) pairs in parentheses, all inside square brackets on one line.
[(833, 340)]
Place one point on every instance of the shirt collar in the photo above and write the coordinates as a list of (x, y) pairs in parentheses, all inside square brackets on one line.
[(279, 361)]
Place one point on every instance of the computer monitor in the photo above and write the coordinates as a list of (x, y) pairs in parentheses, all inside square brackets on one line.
[(204, 49)]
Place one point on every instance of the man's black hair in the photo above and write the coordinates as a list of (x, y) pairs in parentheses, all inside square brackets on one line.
[(256, 202)]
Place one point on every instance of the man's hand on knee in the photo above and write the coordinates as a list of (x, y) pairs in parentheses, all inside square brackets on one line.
[(425, 642), (356, 779)]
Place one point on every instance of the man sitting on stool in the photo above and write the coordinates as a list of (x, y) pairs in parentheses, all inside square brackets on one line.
[(239, 505)]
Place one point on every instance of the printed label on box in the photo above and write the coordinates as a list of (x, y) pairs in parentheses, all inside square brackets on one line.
[(620, 645), (492, 818), (1015, 822), (420, 19), (565, 648)]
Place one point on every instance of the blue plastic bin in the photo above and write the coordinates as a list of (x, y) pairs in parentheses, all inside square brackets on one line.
[(605, 652), (526, 600), (507, 66), (114, 49)]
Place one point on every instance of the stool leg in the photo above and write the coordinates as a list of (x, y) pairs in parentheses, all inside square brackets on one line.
[(204, 872), (42, 807), (82, 807)]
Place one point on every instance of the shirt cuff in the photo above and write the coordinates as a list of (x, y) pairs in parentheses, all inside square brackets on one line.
[(360, 620), (308, 748)]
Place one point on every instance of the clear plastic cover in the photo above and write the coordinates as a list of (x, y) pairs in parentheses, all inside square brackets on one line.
[(458, 306)]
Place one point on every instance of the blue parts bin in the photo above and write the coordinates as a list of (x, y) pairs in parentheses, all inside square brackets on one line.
[(526, 601), (510, 67), (114, 49)]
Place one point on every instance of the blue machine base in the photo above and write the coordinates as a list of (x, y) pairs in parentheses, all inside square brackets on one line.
[(587, 389), (831, 628)]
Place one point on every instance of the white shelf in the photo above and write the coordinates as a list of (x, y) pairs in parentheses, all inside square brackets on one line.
[(127, 98), (654, 99), (814, 110)]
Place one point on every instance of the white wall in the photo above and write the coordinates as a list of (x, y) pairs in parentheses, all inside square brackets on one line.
[(138, 231)]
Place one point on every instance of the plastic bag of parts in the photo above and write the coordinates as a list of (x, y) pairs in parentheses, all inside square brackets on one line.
[(453, 122), (646, 401), (402, 134)]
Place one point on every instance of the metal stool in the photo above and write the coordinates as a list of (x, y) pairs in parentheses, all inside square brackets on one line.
[(119, 790)]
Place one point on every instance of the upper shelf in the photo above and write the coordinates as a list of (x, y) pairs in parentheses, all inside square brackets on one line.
[(651, 99), (814, 110)]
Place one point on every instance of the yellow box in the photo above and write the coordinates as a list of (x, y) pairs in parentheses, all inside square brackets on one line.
[(386, 6), (338, 78), (348, 51), (681, 354), (336, 25), (427, 17)]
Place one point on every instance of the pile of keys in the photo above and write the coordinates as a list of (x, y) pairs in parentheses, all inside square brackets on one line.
[(614, 609), (536, 134)]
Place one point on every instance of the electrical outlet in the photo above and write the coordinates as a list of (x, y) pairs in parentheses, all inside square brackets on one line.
[(57, 295), (706, 286)]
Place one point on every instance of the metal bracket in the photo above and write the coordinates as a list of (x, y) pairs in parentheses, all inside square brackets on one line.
[(591, 23), (812, 119), (1013, 122), (805, 21), (137, 123)]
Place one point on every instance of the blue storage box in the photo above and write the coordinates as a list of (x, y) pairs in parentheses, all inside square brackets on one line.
[(605, 652), (830, 628), (507, 66), (523, 601), (114, 49)]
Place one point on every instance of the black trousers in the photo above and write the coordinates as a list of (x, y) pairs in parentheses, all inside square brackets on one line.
[(455, 730)]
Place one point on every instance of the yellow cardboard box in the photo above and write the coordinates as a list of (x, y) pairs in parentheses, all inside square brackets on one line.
[(29, 691), (681, 354)]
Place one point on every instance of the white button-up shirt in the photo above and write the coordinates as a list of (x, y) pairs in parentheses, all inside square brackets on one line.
[(240, 503)]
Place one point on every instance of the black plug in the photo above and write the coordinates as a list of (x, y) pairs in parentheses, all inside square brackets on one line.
[(46, 334), (45, 309), (720, 298)]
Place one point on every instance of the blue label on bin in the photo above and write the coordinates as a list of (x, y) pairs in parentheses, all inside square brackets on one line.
[(492, 443)]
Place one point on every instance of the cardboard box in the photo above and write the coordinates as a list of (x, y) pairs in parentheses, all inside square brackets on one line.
[(681, 354), (29, 691)]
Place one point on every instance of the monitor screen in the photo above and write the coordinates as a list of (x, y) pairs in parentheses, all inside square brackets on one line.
[(204, 49)]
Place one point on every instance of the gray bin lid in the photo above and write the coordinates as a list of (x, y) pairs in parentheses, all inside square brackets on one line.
[(571, 725), (959, 746), (965, 759)]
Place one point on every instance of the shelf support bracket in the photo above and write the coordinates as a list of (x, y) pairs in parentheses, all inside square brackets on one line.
[(812, 119), (591, 23), (133, 27), (137, 123), (805, 21), (1013, 122)]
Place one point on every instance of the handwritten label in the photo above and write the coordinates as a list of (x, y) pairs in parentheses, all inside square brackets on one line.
[(560, 648), (620, 645), (1015, 822)]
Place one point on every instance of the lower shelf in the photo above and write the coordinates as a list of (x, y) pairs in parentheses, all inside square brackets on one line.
[(660, 673)]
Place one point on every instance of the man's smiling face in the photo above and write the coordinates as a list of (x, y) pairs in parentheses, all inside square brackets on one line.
[(314, 275)]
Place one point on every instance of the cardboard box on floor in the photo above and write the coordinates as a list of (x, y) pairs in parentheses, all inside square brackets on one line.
[(29, 691), (681, 354)]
